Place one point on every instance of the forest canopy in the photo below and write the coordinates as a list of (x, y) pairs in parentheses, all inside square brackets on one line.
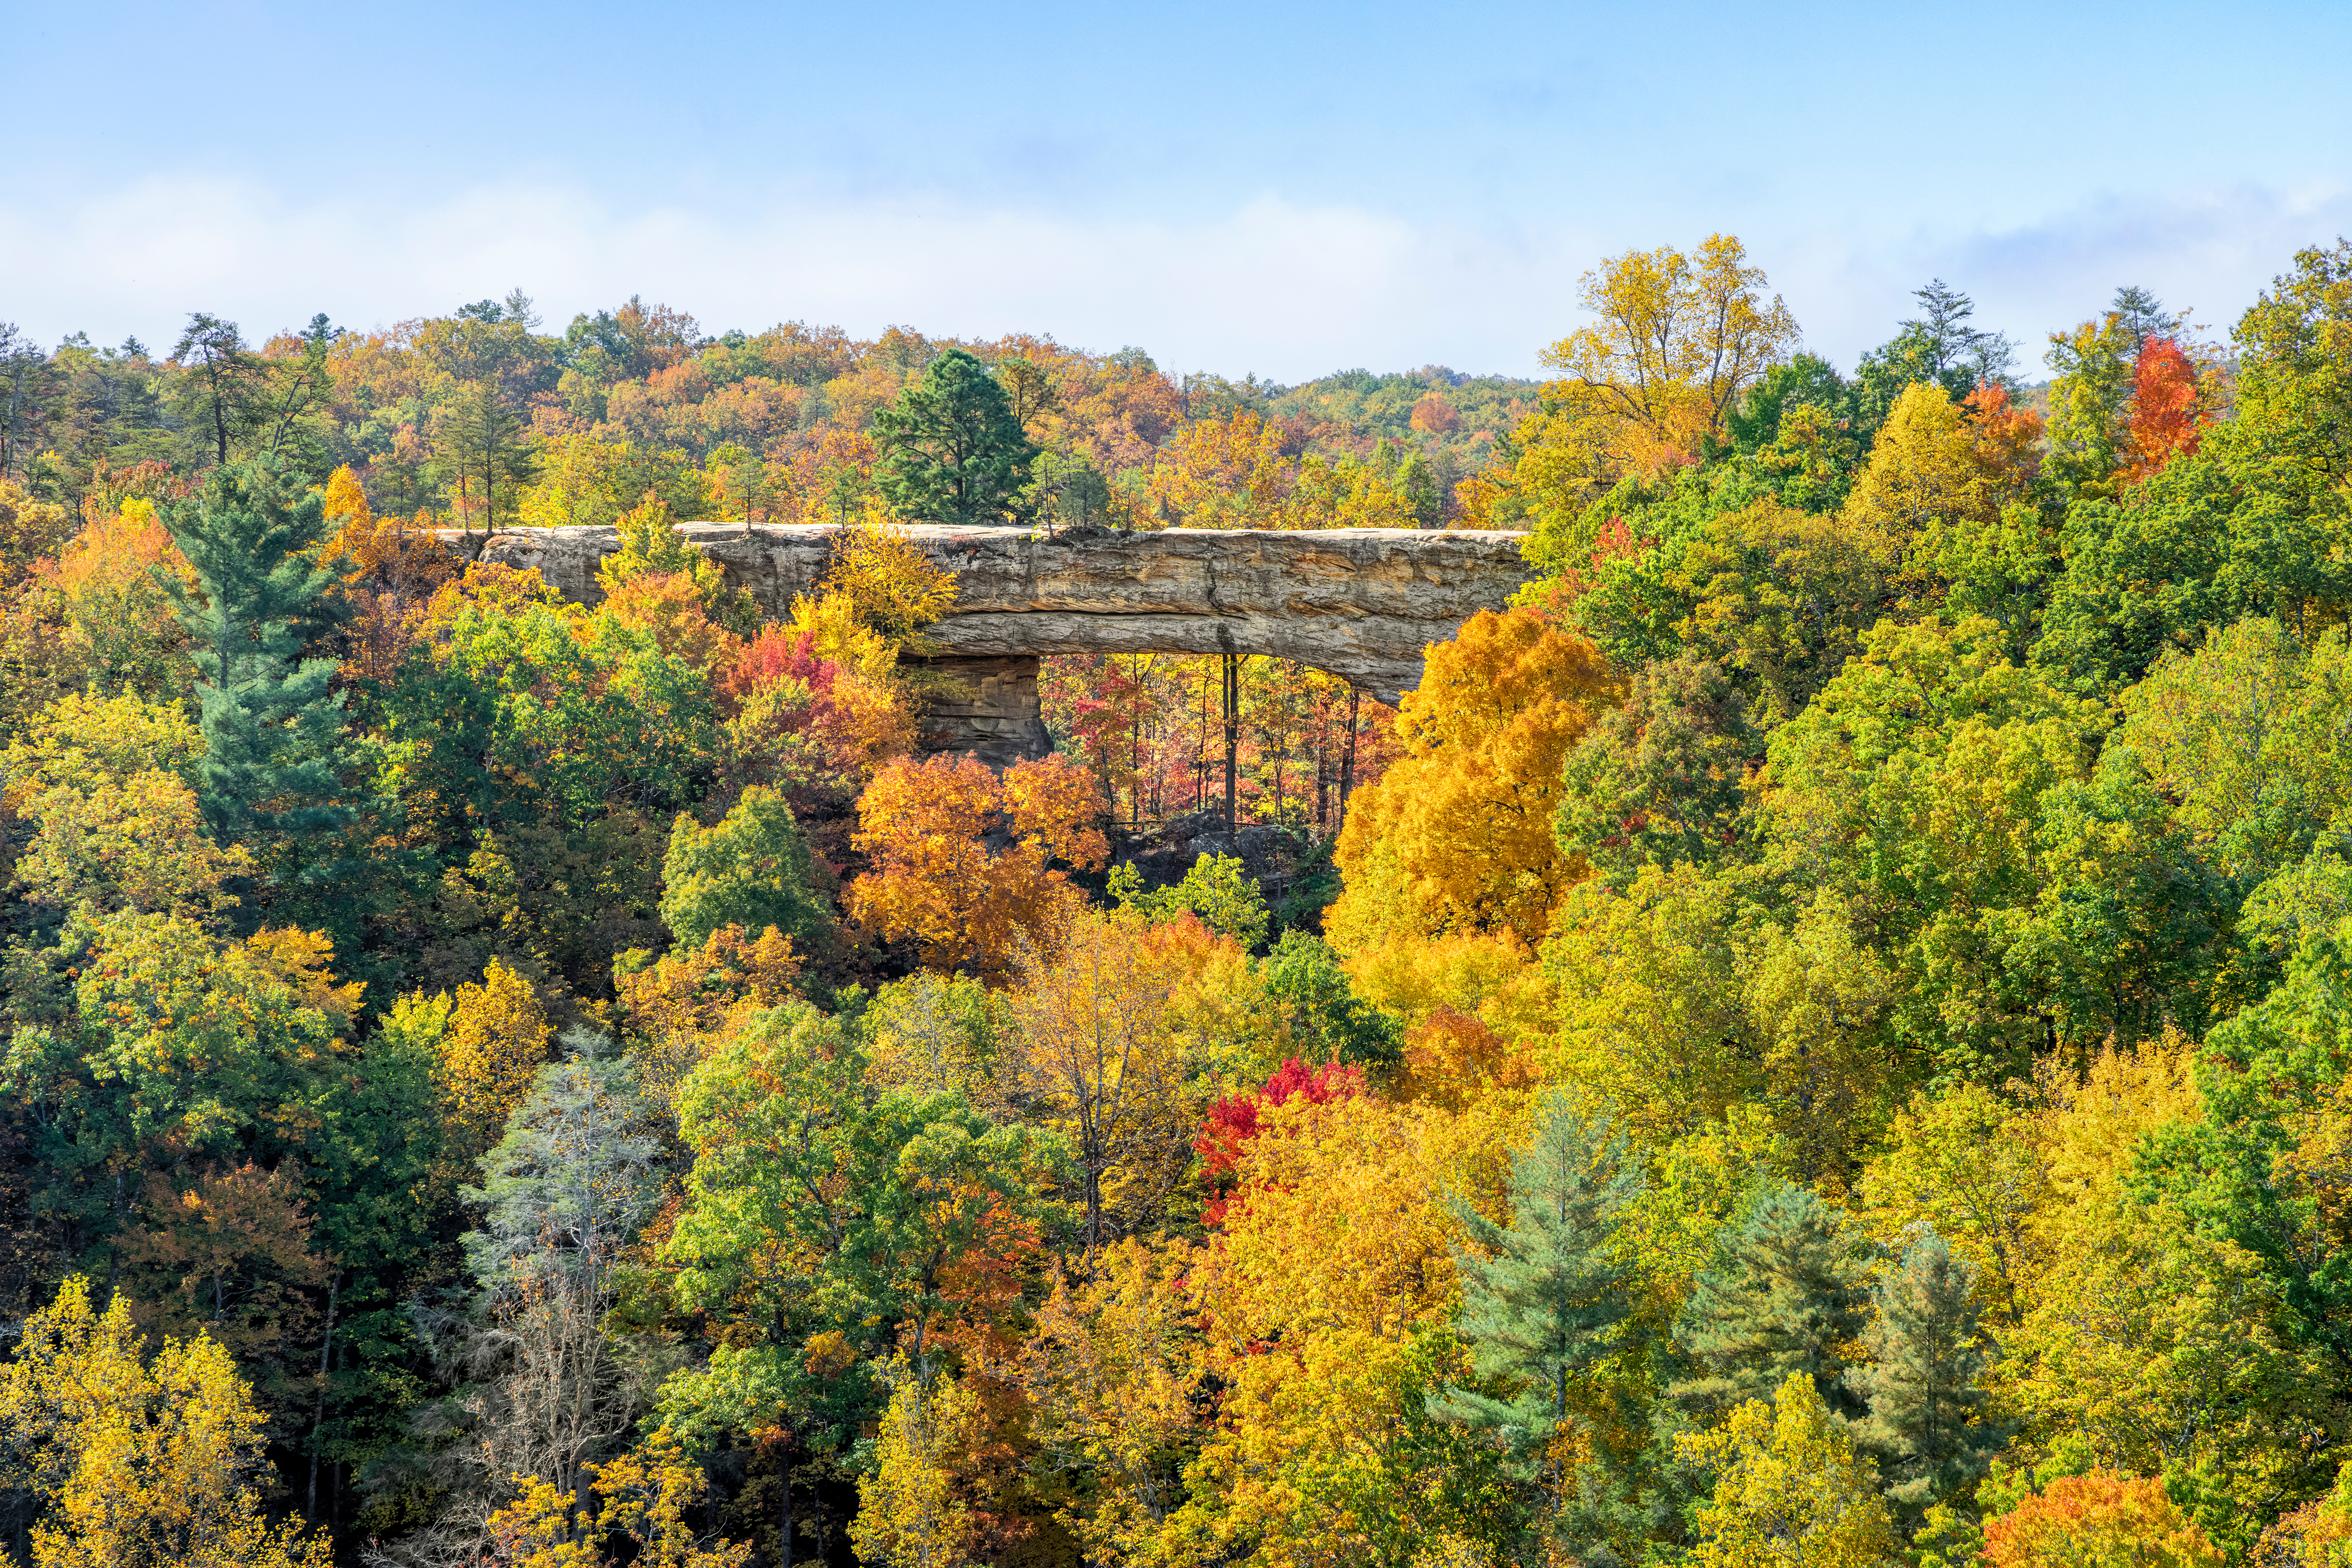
[(1814, 1036)]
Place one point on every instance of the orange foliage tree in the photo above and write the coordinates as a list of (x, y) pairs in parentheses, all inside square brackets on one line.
[(2168, 410), (228, 1254), (1457, 836), (2101, 1518), (105, 589), (391, 571), (939, 884)]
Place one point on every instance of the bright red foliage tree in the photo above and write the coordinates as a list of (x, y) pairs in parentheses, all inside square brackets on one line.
[(1233, 1124)]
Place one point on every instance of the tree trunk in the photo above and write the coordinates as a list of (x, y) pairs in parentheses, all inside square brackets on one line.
[(1232, 673), (1347, 757), (220, 417), (318, 1406)]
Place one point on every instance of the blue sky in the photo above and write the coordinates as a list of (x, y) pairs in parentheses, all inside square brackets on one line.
[(1287, 189)]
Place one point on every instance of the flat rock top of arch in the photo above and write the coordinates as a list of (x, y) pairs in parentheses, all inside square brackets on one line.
[(1406, 574)]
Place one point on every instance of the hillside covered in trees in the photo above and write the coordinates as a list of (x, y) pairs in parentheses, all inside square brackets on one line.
[(1818, 1038)]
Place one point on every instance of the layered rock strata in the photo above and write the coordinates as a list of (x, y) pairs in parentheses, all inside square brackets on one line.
[(1359, 603)]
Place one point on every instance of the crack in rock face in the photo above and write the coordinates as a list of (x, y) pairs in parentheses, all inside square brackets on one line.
[(1360, 602)]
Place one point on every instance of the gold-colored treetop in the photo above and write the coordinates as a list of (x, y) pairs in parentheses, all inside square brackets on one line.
[(1677, 340)]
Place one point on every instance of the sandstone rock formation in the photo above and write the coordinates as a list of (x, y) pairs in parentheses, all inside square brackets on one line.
[(1360, 602)]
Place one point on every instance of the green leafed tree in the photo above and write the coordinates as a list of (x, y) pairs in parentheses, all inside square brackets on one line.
[(1542, 1295), (220, 376), (480, 448), (1543, 1300), (1218, 888), (752, 869), (826, 1216), (952, 449), (1660, 778), (1326, 1020)]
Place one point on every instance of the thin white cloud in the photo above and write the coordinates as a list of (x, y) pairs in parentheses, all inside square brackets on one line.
[(1286, 291), (2209, 250), (1282, 289)]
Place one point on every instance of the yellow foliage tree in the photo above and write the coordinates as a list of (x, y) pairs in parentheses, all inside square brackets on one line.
[(1677, 340), (642, 1496), (1222, 473), (156, 1466), (893, 587), (675, 1005), (494, 1038), (1112, 1369), (1933, 473), (1790, 1491), (837, 630), (651, 545), (910, 1515), (141, 845), (1464, 819), (106, 780), (93, 742), (2144, 1336), (1965, 1161), (1327, 1304), (1488, 974), (1101, 1058), (1240, 471)]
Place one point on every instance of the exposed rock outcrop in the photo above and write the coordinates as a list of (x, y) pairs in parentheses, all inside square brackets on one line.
[(992, 710), (1360, 602)]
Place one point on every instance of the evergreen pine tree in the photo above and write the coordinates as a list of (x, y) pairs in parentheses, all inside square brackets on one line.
[(273, 730), (1783, 1293), (1926, 1424), (1541, 1296), (952, 450), (1542, 1299)]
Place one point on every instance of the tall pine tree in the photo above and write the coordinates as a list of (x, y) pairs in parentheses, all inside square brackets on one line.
[(273, 729), (952, 450), (1926, 1426), (1783, 1293), (1541, 1296)]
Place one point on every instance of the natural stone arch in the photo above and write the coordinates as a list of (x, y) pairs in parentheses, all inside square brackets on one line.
[(1362, 603)]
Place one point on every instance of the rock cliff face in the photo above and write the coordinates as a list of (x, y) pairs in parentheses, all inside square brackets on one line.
[(1360, 602)]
